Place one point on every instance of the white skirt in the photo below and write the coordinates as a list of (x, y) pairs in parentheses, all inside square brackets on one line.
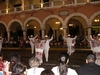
[(96, 49)]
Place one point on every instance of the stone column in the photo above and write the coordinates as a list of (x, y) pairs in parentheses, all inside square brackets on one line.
[(89, 32), (65, 31), (85, 32), (8, 35), (75, 1), (54, 33), (63, 3), (43, 32), (57, 34), (24, 33), (7, 5), (22, 5)]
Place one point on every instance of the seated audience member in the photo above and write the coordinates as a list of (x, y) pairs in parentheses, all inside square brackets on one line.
[(90, 68), (35, 69), (18, 69), (47, 72), (62, 68), (3, 64), (14, 58)]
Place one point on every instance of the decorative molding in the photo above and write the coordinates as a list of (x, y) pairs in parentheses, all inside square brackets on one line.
[(63, 13)]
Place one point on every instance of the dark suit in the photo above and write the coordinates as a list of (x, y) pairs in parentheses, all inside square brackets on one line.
[(89, 69)]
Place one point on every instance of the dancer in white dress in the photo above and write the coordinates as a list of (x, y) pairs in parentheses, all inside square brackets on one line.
[(95, 47), (70, 44), (39, 48), (94, 43), (32, 40), (97, 52)]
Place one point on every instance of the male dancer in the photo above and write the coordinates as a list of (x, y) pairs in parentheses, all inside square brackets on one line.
[(70, 44), (32, 40), (47, 46)]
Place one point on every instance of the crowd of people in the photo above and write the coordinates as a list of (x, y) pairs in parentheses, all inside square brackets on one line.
[(56, 42), (14, 65)]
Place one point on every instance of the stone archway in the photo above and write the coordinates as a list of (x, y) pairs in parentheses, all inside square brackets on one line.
[(33, 26), (77, 14), (81, 18), (15, 20), (52, 16), (93, 16), (52, 27), (3, 28), (14, 29), (32, 18), (95, 25)]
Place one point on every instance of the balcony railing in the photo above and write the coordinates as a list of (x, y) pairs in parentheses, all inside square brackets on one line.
[(53, 4)]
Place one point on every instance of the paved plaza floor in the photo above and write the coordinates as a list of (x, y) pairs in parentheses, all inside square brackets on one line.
[(76, 59)]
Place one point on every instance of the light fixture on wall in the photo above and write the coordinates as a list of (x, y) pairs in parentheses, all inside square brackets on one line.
[(57, 22), (96, 20), (27, 25), (71, 24), (61, 28), (34, 27)]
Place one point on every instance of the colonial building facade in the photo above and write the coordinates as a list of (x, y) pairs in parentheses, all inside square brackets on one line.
[(57, 17)]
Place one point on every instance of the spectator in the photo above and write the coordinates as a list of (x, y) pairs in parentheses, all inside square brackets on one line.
[(35, 69), (3, 64), (14, 58), (47, 72), (62, 68), (18, 69), (90, 68)]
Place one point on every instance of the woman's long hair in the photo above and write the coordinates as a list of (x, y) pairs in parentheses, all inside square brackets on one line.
[(18, 69), (63, 67)]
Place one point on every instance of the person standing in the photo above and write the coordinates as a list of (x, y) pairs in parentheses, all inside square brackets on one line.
[(70, 44), (47, 46), (90, 68), (32, 40), (62, 68), (1, 41)]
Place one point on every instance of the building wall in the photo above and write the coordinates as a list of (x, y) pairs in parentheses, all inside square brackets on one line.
[(86, 12)]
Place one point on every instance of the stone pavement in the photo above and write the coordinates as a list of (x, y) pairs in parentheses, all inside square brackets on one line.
[(76, 59)]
